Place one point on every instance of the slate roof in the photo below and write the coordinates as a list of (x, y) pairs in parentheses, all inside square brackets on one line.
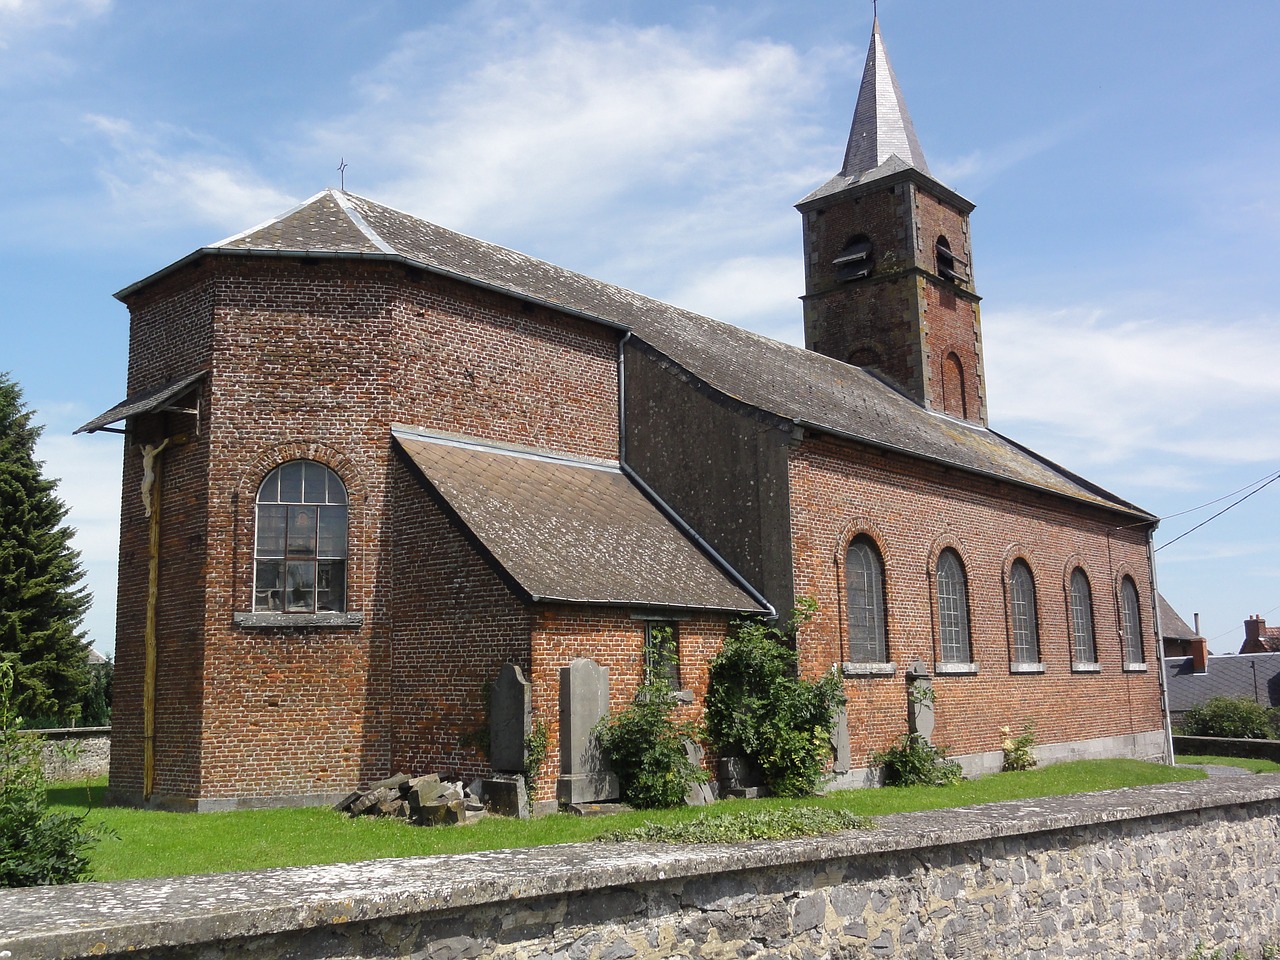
[(1172, 626), (882, 126), (812, 390), (569, 529), (1235, 675), (144, 402)]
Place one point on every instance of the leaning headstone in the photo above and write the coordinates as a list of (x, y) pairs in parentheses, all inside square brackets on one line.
[(696, 794), (584, 702), (510, 716), (842, 758), (507, 797)]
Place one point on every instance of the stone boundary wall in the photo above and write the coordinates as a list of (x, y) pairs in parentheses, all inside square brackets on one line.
[(74, 753), (1137, 873)]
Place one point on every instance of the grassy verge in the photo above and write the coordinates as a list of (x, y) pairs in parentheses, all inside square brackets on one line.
[(1247, 763), (144, 843)]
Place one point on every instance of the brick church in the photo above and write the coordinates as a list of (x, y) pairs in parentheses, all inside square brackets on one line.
[(369, 460)]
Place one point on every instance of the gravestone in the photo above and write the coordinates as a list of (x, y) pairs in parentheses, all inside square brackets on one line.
[(510, 716), (507, 797), (842, 759), (584, 702), (697, 794), (920, 713)]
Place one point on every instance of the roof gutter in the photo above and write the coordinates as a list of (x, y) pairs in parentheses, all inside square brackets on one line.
[(190, 258)]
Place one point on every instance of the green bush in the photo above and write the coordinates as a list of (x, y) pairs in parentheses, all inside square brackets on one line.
[(36, 847), (645, 747), (1232, 717), (1019, 751), (914, 761), (758, 708)]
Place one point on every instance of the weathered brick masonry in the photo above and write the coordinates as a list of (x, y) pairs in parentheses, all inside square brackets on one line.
[(545, 410)]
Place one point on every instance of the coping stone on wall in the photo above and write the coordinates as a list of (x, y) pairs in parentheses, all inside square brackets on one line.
[(90, 919)]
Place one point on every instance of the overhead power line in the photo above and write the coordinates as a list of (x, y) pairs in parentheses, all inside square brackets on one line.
[(1274, 477)]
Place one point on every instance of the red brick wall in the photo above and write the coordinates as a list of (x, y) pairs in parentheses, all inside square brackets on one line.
[(170, 336), (613, 639), (913, 511), (315, 359), (455, 623), (901, 319)]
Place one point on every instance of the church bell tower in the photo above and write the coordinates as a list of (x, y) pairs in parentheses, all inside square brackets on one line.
[(888, 267)]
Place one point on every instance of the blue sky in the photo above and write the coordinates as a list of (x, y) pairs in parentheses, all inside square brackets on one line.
[(1124, 158)]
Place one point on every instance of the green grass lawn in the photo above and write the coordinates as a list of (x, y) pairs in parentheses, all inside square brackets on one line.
[(144, 843), (1257, 766)]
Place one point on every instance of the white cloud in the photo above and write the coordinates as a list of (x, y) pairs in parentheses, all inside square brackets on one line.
[(747, 291), (556, 120), (21, 17), (159, 174), (1184, 391)]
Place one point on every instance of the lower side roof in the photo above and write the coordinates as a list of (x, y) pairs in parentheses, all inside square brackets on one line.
[(570, 529)]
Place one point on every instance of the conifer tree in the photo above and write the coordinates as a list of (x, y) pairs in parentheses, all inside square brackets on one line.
[(42, 601)]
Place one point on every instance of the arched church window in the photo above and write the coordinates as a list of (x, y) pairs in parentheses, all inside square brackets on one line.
[(1130, 622), (953, 609), (854, 261), (864, 585), (1084, 649), (1022, 610), (300, 540), (954, 400), (950, 266)]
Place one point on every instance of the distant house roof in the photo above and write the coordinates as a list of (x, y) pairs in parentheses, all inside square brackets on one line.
[(1172, 626), (1252, 675), (569, 529), (800, 385)]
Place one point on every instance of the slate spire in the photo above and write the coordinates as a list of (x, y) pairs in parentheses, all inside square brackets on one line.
[(881, 125)]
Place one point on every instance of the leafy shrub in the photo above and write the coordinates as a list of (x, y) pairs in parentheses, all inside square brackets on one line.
[(645, 747), (914, 761), (758, 708), (785, 824), (536, 745), (1019, 751), (1232, 717), (36, 847)]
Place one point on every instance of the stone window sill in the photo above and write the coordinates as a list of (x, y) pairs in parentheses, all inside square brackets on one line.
[(1086, 667), (1027, 667), (1135, 668), (868, 669), (955, 669), (306, 620)]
